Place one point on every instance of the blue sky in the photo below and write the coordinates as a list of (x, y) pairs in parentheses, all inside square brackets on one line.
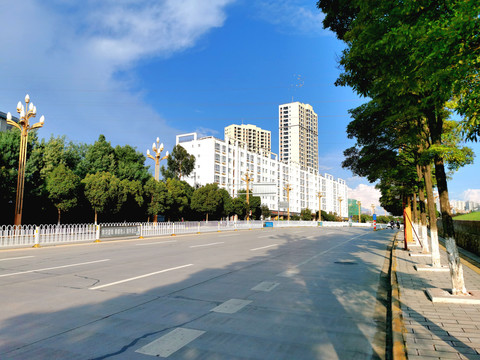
[(137, 69)]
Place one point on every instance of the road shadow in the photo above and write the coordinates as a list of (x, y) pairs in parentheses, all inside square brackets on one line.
[(327, 304)]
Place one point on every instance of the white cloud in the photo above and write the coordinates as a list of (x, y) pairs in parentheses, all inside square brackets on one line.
[(367, 195), (292, 17), (471, 195), (75, 61)]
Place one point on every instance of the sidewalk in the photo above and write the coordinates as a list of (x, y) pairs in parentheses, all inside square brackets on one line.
[(433, 330)]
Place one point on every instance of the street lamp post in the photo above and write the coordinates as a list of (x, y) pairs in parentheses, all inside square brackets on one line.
[(340, 205), (248, 179), (359, 203), (24, 126), (157, 150), (287, 188), (319, 195)]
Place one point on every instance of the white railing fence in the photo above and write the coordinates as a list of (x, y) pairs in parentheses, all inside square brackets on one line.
[(31, 235)]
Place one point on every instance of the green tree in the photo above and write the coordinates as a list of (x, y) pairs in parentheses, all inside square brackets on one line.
[(179, 163), (160, 198), (130, 164), (207, 200), (62, 187), (99, 157), (306, 214), (181, 193), (395, 48), (266, 213), (103, 192)]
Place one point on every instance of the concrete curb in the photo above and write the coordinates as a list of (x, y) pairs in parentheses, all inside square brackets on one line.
[(399, 350)]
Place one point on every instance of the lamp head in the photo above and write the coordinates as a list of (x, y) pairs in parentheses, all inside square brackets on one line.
[(148, 152), (161, 147), (9, 116), (19, 107), (158, 139), (154, 148), (166, 155), (42, 119), (27, 98)]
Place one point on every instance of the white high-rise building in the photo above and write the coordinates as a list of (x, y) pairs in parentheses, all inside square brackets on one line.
[(298, 134), (255, 138), (226, 162)]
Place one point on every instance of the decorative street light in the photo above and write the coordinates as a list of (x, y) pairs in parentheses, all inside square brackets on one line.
[(359, 203), (319, 195), (340, 199), (157, 150), (248, 179), (24, 126), (288, 188)]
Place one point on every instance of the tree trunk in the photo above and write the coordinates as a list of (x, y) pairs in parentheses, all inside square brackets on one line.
[(435, 124), (423, 215), (456, 270), (95, 216), (416, 236), (58, 223), (432, 214)]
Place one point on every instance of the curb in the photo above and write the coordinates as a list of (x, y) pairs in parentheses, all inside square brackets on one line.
[(399, 348)]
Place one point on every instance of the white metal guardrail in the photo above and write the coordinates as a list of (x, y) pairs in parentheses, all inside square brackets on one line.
[(31, 235)]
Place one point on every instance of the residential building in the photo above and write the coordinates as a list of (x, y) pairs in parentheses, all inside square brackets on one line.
[(298, 134), (255, 138), (226, 162), (3, 122)]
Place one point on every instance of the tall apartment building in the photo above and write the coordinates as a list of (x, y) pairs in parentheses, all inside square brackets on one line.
[(226, 162), (256, 139), (298, 134)]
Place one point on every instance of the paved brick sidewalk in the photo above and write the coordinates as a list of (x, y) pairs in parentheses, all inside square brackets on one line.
[(433, 330)]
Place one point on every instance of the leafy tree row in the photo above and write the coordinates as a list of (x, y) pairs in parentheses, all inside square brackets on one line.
[(74, 183), (417, 62)]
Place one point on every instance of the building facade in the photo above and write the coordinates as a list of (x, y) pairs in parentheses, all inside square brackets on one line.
[(298, 134), (226, 162), (3, 122), (255, 138)]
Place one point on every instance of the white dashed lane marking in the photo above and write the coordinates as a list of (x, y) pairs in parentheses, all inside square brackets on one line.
[(231, 306), (170, 343)]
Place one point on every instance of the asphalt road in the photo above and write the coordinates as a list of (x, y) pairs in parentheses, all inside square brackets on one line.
[(292, 293)]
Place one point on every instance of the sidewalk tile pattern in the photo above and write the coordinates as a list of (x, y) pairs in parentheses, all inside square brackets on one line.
[(435, 330)]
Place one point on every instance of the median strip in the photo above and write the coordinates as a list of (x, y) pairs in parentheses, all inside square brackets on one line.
[(139, 277)]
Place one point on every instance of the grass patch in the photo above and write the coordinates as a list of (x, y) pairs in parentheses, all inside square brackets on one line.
[(474, 216)]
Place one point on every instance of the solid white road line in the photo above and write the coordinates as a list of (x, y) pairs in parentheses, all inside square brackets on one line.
[(264, 236), (216, 243), (17, 258), (158, 243), (53, 268), (139, 277), (263, 247), (171, 342)]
